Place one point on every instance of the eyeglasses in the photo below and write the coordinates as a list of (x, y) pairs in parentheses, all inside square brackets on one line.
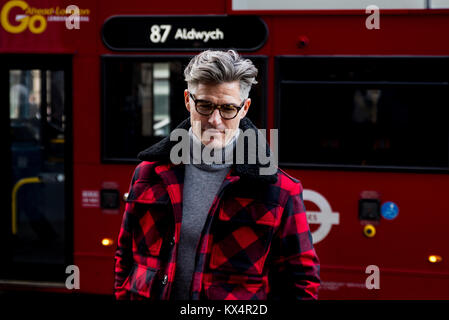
[(227, 111)]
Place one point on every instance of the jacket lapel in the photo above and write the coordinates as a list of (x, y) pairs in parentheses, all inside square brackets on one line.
[(173, 178)]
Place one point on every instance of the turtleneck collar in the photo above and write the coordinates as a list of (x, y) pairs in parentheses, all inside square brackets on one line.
[(205, 158)]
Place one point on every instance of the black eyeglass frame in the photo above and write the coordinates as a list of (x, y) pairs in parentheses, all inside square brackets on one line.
[(215, 106)]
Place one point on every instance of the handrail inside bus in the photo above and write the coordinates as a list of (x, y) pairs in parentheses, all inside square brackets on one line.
[(15, 189)]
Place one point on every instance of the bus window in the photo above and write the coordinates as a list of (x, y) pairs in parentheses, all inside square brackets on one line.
[(144, 100), (361, 112)]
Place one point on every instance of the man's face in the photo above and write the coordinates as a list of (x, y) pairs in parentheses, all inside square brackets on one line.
[(213, 130)]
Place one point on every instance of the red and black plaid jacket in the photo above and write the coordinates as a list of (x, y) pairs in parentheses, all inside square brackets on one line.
[(255, 244)]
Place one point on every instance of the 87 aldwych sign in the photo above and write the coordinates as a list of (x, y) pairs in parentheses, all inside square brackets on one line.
[(188, 33)]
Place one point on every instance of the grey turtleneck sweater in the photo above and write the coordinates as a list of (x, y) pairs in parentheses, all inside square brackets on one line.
[(201, 184)]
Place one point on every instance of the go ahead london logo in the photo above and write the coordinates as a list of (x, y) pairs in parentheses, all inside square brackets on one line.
[(16, 16)]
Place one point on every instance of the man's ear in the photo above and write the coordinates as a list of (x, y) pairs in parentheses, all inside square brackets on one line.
[(187, 99), (246, 107)]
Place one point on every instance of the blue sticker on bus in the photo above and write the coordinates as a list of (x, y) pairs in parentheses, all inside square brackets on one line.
[(389, 210)]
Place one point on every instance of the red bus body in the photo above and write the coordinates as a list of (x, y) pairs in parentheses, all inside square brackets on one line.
[(400, 248)]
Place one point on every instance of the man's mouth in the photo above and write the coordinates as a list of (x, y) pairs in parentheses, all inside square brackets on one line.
[(214, 131)]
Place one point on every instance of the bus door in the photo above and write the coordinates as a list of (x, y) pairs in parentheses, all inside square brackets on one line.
[(35, 223)]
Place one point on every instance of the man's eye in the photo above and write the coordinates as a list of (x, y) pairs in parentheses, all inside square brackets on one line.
[(205, 105), (229, 107)]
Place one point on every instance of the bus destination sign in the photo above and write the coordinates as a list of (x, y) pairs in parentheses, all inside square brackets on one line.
[(184, 33)]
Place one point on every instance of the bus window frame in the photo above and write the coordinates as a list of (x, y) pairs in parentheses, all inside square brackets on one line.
[(104, 159), (343, 167)]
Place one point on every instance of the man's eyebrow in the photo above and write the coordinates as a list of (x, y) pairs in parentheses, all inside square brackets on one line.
[(218, 104), (204, 100)]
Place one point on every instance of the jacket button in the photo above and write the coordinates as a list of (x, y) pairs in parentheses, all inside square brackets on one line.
[(172, 242), (165, 280)]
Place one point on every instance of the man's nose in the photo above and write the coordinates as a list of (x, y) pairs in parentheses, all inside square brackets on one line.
[(215, 118)]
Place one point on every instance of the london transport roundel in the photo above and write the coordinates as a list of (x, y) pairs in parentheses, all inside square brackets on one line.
[(325, 217)]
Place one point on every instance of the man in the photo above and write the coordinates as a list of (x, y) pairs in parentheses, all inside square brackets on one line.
[(214, 230)]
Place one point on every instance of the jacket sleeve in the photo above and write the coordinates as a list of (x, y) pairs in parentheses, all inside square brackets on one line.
[(124, 255), (295, 270)]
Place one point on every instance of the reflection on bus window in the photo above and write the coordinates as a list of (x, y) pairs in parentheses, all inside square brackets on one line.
[(25, 102), (55, 102), (365, 106), (161, 75), (154, 95)]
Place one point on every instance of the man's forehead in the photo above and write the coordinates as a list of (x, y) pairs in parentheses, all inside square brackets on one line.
[(218, 90)]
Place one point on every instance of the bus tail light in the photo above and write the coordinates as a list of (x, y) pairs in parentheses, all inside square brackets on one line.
[(107, 242), (435, 258)]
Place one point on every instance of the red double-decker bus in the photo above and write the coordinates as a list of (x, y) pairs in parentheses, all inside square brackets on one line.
[(359, 95)]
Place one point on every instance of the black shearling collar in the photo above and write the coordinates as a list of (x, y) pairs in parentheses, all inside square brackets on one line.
[(161, 152)]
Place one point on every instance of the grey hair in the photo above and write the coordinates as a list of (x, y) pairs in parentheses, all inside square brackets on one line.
[(219, 67)]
